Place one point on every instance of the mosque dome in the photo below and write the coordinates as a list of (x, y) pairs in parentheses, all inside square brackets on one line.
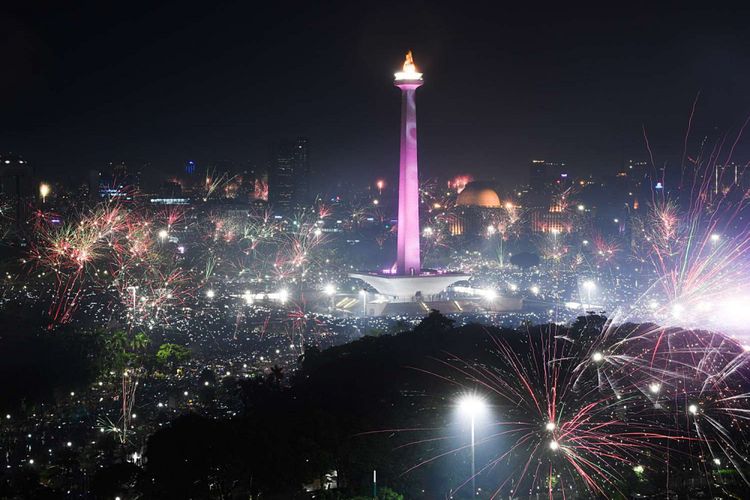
[(477, 194)]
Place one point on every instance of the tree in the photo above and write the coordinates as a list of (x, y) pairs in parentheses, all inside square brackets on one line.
[(168, 354), (375, 332), (116, 348), (276, 375), (140, 342), (399, 326), (115, 480), (434, 322)]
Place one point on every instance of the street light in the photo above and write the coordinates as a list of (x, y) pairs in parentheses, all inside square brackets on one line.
[(589, 286), (44, 190), (330, 290), (472, 406)]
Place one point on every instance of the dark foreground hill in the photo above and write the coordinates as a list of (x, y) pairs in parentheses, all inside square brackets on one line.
[(387, 404)]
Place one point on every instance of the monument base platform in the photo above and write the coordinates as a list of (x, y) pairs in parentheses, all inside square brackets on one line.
[(419, 308), (405, 288)]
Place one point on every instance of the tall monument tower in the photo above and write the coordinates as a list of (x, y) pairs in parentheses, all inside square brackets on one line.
[(410, 281), (408, 262)]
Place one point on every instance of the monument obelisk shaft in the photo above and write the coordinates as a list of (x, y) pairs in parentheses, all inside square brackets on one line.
[(409, 281), (408, 260)]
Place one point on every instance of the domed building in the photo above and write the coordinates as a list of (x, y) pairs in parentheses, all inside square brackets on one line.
[(477, 207), (478, 194)]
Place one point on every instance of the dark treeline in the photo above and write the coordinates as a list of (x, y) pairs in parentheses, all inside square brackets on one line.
[(351, 409), (37, 364), (356, 408)]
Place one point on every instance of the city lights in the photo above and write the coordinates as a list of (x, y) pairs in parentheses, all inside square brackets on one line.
[(255, 259)]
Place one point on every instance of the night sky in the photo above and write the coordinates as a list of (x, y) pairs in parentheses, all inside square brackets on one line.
[(88, 84)]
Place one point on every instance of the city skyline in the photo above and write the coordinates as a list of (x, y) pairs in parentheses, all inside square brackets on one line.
[(105, 94), (230, 271)]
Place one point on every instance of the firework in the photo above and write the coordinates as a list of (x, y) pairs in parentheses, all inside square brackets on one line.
[(576, 411), (697, 242)]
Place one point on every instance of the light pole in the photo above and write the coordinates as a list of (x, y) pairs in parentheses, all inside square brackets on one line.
[(589, 286), (502, 257), (330, 290), (363, 294), (44, 190), (472, 405)]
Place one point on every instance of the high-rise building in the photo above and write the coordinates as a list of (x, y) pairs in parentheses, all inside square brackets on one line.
[(546, 176), (302, 174), (727, 177), (281, 177), (16, 184), (119, 182), (289, 174)]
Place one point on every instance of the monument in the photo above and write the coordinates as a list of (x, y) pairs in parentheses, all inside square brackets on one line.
[(409, 279)]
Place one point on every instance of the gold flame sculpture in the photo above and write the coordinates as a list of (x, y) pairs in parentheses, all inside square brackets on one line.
[(409, 71)]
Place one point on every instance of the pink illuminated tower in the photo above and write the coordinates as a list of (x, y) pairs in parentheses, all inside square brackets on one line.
[(410, 281), (408, 80)]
